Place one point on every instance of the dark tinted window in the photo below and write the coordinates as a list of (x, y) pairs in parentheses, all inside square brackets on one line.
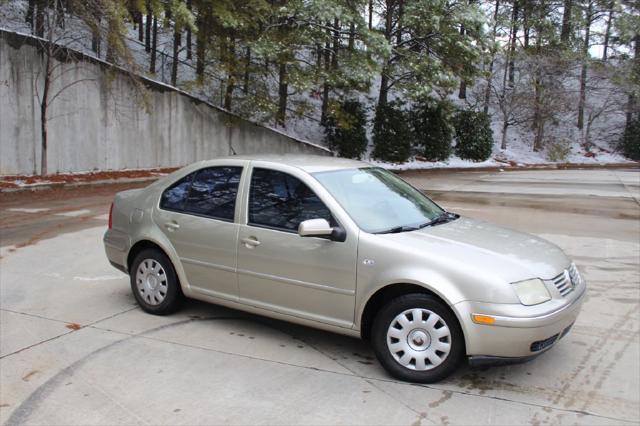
[(174, 197), (282, 201), (213, 192)]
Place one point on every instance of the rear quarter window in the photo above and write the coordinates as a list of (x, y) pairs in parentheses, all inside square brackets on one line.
[(174, 197)]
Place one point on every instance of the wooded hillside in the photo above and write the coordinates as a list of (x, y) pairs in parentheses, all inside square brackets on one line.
[(396, 78)]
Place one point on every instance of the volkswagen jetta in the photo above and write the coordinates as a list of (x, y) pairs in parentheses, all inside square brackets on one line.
[(343, 246)]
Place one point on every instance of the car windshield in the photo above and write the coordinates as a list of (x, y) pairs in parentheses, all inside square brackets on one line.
[(379, 201)]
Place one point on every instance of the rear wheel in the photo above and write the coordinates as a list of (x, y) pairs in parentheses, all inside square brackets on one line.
[(417, 338), (154, 283)]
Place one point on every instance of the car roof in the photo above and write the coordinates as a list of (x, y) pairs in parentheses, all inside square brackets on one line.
[(308, 163)]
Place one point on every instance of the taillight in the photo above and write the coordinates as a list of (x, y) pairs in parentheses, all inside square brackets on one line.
[(111, 216)]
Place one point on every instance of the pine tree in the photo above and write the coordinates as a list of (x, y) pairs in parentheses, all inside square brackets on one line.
[(291, 27), (428, 50), (630, 143), (474, 137), (432, 128), (345, 129), (392, 135)]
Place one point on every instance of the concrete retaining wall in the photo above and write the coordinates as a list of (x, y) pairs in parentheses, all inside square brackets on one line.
[(99, 124)]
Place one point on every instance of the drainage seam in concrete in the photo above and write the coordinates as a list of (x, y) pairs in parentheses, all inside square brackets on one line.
[(59, 335)]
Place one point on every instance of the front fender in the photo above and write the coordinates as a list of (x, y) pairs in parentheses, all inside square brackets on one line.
[(429, 280)]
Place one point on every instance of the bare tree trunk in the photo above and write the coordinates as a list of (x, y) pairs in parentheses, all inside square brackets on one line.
[(96, 37), (324, 109), (140, 26), (44, 101), (487, 90), (583, 90), (566, 21), (147, 39), (503, 96), (59, 13), (399, 22), (462, 91), (40, 18), (29, 16), (336, 43), (352, 35), (231, 74), (247, 70), (505, 127), (331, 64), (326, 89), (153, 46), (526, 25), (538, 119), (189, 43), (583, 72), (384, 78), (176, 57), (109, 57), (283, 92), (319, 55), (587, 135), (370, 14), (631, 103), (512, 42), (200, 46), (538, 143), (607, 33)]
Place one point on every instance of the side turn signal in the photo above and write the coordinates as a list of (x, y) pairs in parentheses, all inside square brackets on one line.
[(483, 319)]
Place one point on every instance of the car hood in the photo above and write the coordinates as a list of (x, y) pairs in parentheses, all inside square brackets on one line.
[(510, 255)]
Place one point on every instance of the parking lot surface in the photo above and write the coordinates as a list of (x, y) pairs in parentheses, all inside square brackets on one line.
[(75, 348)]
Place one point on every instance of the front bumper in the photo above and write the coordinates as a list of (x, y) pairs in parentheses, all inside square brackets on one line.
[(520, 337)]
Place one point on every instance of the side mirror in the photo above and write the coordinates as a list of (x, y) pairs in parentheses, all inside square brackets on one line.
[(315, 228)]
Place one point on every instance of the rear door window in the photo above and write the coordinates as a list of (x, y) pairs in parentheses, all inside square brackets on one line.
[(213, 192)]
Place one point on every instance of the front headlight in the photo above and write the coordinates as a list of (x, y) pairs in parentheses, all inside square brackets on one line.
[(531, 292)]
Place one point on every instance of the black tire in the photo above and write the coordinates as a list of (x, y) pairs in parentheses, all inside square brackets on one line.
[(173, 296), (387, 315)]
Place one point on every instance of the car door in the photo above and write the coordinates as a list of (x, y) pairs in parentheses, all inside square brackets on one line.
[(197, 214), (308, 277)]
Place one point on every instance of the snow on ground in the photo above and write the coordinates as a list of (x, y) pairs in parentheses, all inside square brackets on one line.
[(507, 159), (452, 162)]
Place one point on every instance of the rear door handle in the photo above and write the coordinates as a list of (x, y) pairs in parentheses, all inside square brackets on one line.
[(172, 226), (251, 242)]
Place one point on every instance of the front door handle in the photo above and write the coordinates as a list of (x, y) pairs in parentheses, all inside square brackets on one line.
[(172, 226), (251, 242)]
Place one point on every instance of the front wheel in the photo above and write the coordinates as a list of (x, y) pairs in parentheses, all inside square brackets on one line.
[(417, 338)]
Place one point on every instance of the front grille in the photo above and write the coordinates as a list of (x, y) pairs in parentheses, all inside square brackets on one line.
[(566, 281), (574, 275), (563, 283)]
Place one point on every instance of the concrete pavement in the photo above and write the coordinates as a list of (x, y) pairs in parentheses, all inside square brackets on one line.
[(75, 349)]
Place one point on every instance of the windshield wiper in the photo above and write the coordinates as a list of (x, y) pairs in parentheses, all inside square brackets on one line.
[(397, 229), (444, 217)]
